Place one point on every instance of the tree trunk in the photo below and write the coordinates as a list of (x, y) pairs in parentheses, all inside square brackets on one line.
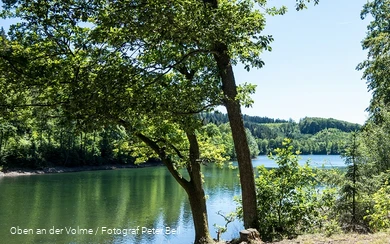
[(193, 188), (233, 108), (245, 166), (196, 193), (197, 201)]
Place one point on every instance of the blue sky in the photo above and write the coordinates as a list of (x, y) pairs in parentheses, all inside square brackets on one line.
[(311, 69)]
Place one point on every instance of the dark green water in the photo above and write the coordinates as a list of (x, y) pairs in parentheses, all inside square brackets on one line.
[(121, 199), (86, 207)]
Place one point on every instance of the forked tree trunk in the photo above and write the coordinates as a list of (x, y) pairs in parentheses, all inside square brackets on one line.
[(193, 187)]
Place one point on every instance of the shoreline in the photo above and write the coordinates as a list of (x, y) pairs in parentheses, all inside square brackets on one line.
[(61, 169)]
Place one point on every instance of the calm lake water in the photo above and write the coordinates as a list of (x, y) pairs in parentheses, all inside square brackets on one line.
[(109, 206)]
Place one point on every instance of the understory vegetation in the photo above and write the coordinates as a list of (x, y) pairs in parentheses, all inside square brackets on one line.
[(298, 199)]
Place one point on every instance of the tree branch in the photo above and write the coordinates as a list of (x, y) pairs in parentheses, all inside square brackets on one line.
[(196, 111), (166, 160)]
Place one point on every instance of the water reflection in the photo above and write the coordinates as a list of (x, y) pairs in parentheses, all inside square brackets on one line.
[(121, 199)]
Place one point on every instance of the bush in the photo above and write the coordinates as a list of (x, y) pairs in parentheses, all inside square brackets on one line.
[(288, 196), (379, 218)]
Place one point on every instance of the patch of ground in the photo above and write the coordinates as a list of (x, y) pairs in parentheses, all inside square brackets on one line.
[(352, 238)]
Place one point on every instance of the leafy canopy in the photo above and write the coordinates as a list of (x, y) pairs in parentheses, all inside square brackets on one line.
[(376, 68)]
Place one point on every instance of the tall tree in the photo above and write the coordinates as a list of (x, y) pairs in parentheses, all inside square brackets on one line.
[(247, 33), (173, 35), (181, 150), (351, 187), (54, 60), (138, 38), (377, 42)]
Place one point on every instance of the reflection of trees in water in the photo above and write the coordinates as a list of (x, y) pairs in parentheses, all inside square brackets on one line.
[(115, 199), (218, 181)]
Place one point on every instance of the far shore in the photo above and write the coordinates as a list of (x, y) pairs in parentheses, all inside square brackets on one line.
[(62, 169)]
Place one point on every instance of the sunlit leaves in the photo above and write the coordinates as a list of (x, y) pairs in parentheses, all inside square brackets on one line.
[(377, 42), (287, 198), (212, 146), (133, 61), (301, 4), (276, 11), (379, 218), (244, 91), (159, 50)]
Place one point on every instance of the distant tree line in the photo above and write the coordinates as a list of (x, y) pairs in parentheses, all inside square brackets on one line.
[(221, 118), (41, 142), (310, 135), (38, 144), (309, 125)]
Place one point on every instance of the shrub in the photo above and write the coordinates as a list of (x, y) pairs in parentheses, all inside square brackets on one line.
[(287, 196), (379, 218)]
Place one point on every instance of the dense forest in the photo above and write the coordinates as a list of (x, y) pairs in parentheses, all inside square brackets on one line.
[(310, 135), (37, 143), (101, 82)]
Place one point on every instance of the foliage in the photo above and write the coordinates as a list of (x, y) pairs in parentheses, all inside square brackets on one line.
[(295, 199), (287, 195), (243, 94), (377, 42), (269, 133), (228, 219), (40, 145), (328, 221), (377, 142), (226, 140), (310, 125), (375, 133), (350, 201), (357, 185), (221, 118), (379, 218), (332, 227)]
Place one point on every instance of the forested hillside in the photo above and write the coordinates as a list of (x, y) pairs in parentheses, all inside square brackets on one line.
[(310, 135), (38, 142), (313, 125)]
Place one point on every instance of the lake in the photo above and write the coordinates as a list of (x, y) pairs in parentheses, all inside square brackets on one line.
[(142, 205)]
